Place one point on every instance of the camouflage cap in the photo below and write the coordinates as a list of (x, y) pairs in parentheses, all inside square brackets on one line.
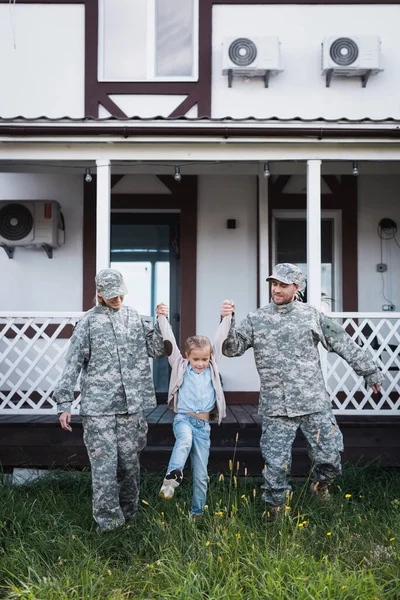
[(110, 283), (287, 273)]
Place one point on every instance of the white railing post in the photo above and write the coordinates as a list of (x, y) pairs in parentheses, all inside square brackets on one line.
[(314, 232), (103, 214)]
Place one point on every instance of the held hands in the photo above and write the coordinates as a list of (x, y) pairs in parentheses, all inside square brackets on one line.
[(65, 420), (162, 309), (376, 387), (227, 308)]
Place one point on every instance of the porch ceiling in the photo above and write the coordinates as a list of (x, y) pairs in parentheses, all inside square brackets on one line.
[(224, 168)]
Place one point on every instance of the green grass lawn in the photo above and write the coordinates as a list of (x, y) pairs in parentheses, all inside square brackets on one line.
[(349, 549)]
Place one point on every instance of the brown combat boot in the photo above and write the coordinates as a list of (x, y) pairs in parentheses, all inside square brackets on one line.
[(278, 512), (320, 489)]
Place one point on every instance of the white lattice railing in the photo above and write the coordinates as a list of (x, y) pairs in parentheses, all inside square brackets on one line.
[(33, 345), (32, 351), (378, 333)]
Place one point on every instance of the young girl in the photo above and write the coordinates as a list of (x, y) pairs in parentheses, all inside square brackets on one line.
[(194, 392)]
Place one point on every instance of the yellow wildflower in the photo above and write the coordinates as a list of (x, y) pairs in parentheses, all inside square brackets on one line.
[(162, 522), (300, 524), (208, 543), (219, 513), (206, 507), (347, 496), (158, 563), (238, 536), (109, 572), (243, 496), (392, 539), (287, 507), (329, 533)]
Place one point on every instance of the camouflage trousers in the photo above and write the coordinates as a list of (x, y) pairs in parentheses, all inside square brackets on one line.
[(324, 442), (114, 444)]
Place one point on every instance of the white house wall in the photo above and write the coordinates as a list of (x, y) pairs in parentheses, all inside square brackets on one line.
[(378, 198), (42, 60), (227, 263), (300, 90), (31, 281)]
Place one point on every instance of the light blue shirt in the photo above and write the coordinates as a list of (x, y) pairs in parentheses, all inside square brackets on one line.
[(196, 394)]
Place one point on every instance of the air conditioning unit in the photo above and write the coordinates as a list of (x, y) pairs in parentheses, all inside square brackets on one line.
[(31, 223), (351, 56), (251, 57)]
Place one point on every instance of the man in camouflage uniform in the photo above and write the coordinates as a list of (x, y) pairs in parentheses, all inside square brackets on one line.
[(109, 348), (284, 336)]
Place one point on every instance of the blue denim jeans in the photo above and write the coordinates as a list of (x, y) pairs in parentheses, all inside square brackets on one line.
[(192, 437)]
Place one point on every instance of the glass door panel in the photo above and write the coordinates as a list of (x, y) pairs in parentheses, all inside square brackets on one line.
[(145, 248)]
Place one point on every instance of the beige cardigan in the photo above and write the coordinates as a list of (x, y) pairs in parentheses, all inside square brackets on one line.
[(179, 364)]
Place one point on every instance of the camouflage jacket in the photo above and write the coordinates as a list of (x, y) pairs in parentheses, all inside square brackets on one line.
[(110, 349), (285, 341)]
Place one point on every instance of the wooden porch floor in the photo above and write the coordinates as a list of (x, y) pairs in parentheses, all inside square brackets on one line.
[(38, 441)]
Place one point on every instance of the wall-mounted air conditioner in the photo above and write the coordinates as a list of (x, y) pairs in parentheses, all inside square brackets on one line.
[(351, 56), (251, 57), (31, 223)]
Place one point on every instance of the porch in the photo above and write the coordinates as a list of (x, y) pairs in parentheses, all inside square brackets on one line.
[(32, 350)]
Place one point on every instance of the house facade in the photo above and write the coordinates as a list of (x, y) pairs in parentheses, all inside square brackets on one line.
[(219, 138)]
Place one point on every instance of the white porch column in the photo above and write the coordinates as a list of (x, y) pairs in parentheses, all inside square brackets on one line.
[(263, 239), (314, 232), (103, 214)]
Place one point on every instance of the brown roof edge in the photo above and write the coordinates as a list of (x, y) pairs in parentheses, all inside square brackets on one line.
[(226, 132)]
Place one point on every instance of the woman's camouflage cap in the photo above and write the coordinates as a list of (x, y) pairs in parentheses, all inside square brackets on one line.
[(110, 283), (287, 273)]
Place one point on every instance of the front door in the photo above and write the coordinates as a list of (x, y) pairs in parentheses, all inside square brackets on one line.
[(145, 247)]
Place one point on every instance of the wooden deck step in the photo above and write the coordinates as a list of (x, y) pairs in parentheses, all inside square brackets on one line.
[(39, 441)]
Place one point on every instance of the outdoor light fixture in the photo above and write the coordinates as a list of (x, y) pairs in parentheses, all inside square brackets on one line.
[(177, 175), (355, 168), (266, 171), (88, 175)]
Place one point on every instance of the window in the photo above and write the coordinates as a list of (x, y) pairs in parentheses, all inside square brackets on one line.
[(148, 40), (289, 244)]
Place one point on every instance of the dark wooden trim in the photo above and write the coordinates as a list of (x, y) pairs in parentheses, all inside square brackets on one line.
[(333, 183), (184, 198), (241, 397), (89, 243), (349, 194), (198, 91), (344, 198), (184, 106), (116, 179), (173, 186), (279, 184), (258, 293)]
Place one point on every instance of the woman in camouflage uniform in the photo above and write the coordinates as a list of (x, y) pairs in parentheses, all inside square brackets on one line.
[(109, 348)]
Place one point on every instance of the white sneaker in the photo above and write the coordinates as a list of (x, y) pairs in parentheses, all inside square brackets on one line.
[(171, 481)]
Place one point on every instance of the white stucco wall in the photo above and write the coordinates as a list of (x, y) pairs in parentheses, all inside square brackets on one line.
[(227, 263), (378, 198), (300, 90), (31, 281), (42, 60)]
